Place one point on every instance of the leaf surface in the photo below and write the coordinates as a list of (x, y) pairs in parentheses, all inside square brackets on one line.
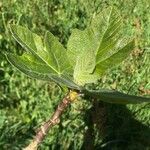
[(90, 52), (112, 49), (83, 71), (115, 59), (29, 65), (112, 96), (102, 38), (57, 54), (46, 59), (80, 42), (107, 27)]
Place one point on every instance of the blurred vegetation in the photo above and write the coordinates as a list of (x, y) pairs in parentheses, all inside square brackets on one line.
[(25, 102)]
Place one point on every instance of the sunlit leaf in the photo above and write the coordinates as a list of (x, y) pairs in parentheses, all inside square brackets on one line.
[(107, 27), (80, 42), (57, 54), (83, 71), (115, 59), (113, 49), (103, 38), (90, 54), (46, 60), (29, 65)]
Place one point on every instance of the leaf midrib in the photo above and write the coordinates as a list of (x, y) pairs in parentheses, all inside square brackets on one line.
[(20, 41), (108, 23), (104, 31)]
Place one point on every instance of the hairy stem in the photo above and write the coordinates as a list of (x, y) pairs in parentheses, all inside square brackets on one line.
[(54, 120)]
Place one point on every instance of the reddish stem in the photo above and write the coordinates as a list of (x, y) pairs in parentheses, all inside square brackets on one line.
[(55, 119)]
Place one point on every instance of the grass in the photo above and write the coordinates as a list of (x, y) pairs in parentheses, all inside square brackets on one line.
[(25, 102)]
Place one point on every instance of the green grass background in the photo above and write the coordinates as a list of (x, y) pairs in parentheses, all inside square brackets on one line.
[(25, 102)]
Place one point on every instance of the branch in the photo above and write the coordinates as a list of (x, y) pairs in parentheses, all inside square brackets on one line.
[(54, 120)]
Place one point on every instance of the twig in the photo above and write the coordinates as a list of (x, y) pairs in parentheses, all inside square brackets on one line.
[(54, 120)]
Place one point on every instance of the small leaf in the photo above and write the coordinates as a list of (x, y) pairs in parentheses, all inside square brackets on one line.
[(111, 96)]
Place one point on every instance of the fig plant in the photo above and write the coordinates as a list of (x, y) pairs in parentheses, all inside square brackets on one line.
[(89, 54)]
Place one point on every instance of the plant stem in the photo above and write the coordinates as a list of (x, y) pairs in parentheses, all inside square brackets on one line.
[(54, 120)]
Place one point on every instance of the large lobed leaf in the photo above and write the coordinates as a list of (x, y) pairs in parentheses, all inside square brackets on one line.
[(45, 60), (103, 37), (90, 52)]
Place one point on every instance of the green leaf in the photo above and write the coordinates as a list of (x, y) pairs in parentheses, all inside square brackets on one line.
[(30, 63), (111, 96), (57, 54), (115, 59), (91, 52), (81, 52), (50, 54), (85, 65), (107, 27), (102, 38), (31, 66), (45, 60), (80, 42), (112, 49)]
